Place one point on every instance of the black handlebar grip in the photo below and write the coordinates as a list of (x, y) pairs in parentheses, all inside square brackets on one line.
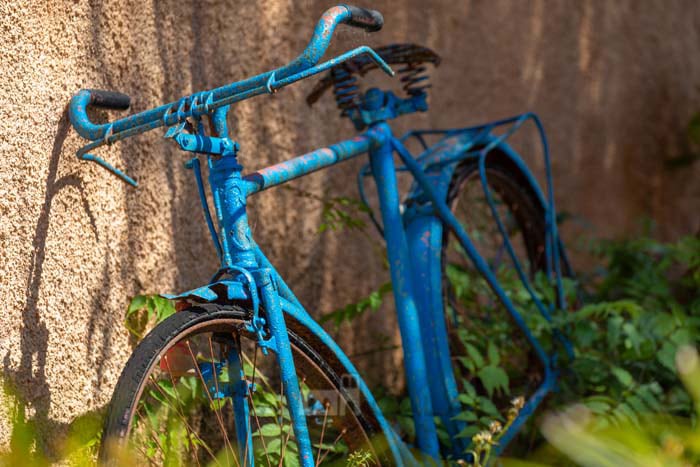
[(109, 99), (370, 20)]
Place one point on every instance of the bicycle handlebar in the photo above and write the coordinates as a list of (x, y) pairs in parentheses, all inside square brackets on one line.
[(204, 102), (109, 99), (371, 20)]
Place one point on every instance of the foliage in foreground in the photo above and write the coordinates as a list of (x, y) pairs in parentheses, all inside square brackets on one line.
[(624, 387), (657, 439), (644, 307)]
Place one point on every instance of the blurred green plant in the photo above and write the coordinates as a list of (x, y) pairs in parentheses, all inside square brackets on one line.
[(655, 439), (27, 441), (644, 306), (145, 311)]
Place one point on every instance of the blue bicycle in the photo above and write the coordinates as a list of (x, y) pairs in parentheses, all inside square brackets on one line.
[(242, 374)]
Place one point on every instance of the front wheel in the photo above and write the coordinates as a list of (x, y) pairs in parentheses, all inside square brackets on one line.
[(198, 390)]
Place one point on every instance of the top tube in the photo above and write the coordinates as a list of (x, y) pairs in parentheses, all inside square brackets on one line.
[(204, 102)]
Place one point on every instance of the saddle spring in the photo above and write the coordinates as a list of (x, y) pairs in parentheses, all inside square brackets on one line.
[(414, 77), (345, 89)]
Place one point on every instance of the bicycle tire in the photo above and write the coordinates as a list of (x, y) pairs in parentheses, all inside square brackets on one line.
[(506, 180), (513, 191), (360, 432)]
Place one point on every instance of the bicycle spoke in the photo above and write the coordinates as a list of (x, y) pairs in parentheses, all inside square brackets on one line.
[(184, 419), (252, 405), (218, 406), (281, 419), (323, 430), (211, 402), (177, 396), (155, 438), (177, 423), (284, 446), (342, 432), (249, 439)]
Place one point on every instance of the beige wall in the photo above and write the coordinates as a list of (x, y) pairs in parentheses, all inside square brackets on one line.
[(615, 83)]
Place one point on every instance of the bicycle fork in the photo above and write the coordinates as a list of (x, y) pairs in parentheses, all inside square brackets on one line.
[(237, 254), (285, 359)]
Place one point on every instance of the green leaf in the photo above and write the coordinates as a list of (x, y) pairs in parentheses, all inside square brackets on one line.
[(468, 388), (623, 376), (666, 356), (468, 432), (494, 356), (291, 458), (163, 307), (274, 444), (598, 407), (468, 363), (488, 407), (270, 429), (465, 416), (466, 399), (137, 303), (494, 378), (475, 355)]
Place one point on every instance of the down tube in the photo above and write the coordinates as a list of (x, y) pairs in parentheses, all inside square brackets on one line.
[(291, 306), (384, 172)]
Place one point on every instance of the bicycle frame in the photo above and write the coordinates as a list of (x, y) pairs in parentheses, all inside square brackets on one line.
[(413, 238), (413, 242)]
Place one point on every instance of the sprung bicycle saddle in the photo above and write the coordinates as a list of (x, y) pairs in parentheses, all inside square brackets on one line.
[(347, 93)]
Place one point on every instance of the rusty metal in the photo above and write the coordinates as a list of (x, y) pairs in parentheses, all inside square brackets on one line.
[(410, 55)]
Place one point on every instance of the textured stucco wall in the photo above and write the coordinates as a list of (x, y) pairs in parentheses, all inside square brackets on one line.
[(615, 83)]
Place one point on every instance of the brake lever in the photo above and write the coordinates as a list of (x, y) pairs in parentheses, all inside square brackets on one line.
[(84, 155)]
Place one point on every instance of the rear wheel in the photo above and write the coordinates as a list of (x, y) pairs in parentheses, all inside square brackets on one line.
[(182, 398), (491, 359)]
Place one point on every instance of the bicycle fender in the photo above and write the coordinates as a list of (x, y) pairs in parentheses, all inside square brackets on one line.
[(440, 160), (225, 290)]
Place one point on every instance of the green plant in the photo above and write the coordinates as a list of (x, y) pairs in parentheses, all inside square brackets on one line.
[(647, 307), (657, 439), (643, 306), (77, 448), (144, 311), (349, 312)]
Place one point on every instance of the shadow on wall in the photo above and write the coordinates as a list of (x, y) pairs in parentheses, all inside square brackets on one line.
[(29, 378)]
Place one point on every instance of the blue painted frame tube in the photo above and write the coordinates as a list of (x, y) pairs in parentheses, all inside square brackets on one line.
[(383, 170), (288, 374), (424, 235), (241, 410), (292, 307), (306, 164)]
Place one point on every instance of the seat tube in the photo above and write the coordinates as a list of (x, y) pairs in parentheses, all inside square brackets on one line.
[(383, 170)]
